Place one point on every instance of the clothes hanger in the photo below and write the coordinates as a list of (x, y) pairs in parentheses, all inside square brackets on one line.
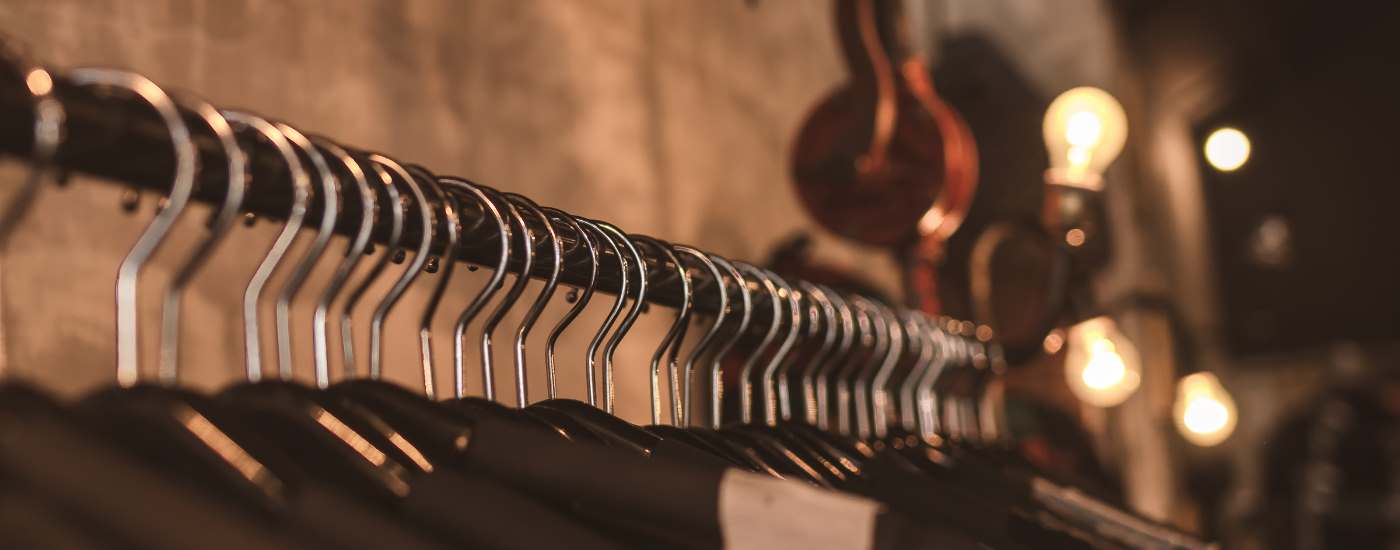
[(865, 338), (774, 452), (638, 303), (50, 439), (671, 343), (746, 404), (707, 339), (712, 440), (674, 334), (746, 456), (451, 231), (815, 325), (390, 203), (745, 316), (927, 342), (566, 424), (492, 206), (877, 382), (614, 430), (326, 195), (153, 421), (581, 297), (815, 452), (830, 329), (860, 379), (319, 433), (359, 210), (840, 451), (845, 345)]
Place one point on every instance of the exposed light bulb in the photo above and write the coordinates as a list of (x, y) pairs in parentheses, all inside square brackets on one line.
[(1205, 413), (1101, 365), (1227, 149), (1084, 130)]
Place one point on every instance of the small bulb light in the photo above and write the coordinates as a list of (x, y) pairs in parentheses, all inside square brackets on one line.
[(1227, 149), (1204, 412), (1101, 366)]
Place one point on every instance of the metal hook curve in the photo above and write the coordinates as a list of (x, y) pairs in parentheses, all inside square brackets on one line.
[(613, 312), (181, 187), (483, 296), (353, 254), (393, 203), (451, 230), (330, 211), (219, 226), (746, 372), (746, 315), (707, 339), (609, 350), (580, 302), (674, 335)]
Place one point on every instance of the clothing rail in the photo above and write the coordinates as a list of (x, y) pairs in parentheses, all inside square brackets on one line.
[(105, 133)]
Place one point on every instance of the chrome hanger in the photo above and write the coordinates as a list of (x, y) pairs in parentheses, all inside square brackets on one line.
[(425, 216), (450, 229), (929, 404), (581, 298), (673, 336), (353, 254), (492, 212), (219, 226), (329, 192), (542, 299), (745, 315), (861, 384), (830, 327), (846, 328), (746, 372), (880, 405), (638, 303), (865, 338), (917, 326), (706, 340), (181, 187), (618, 303), (527, 262), (813, 324), (794, 314), (393, 203)]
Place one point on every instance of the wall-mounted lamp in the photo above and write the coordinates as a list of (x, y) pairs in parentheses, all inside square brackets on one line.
[(1084, 130)]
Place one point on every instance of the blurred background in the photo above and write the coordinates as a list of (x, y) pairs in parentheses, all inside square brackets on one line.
[(1237, 259)]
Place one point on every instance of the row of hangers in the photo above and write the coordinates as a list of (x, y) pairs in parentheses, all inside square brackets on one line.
[(833, 380)]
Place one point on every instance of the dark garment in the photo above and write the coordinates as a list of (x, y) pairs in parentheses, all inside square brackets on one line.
[(485, 514), (100, 487)]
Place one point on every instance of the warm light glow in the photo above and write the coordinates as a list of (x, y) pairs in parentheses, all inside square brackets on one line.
[(1084, 130), (1205, 416), (1075, 237), (1101, 365), (1053, 342), (1205, 412), (1105, 369), (39, 82), (1227, 149)]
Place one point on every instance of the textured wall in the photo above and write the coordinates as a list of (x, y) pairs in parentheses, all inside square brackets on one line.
[(669, 118)]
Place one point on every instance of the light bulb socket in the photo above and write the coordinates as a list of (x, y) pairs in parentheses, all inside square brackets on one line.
[(1072, 214)]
